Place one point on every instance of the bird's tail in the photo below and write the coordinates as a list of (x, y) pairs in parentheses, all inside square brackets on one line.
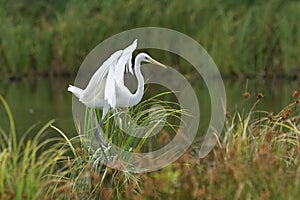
[(76, 91)]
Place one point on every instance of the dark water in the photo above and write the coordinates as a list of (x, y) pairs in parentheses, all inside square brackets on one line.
[(38, 101), (42, 100)]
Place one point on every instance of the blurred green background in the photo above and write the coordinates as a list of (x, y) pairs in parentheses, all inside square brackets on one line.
[(258, 40), (244, 37)]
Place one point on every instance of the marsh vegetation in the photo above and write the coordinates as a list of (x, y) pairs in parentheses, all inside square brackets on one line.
[(42, 45)]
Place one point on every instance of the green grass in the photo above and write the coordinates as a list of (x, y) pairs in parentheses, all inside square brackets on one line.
[(63, 168), (145, 114), (27, 166), (257, 157), (253, 37), (87, 177)]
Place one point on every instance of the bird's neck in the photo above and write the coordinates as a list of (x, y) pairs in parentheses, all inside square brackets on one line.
[(137, 96)]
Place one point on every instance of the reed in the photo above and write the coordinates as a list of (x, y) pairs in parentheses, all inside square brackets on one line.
[(252, 38), (257, 156), (28, 165)]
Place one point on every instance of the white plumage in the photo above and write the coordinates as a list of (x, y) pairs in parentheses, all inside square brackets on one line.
[(106, 87)]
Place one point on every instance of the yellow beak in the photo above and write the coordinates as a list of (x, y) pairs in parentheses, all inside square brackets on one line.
[(155, 62)]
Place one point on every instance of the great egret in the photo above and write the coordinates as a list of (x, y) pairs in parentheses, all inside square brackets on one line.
[(106, 88)]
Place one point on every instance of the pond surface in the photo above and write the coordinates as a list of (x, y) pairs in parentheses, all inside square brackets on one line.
[(38, 101), (43, 99)]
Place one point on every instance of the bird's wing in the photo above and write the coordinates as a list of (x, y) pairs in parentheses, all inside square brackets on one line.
[(96, 84), (124, 60), (110, 88), (116, 74)]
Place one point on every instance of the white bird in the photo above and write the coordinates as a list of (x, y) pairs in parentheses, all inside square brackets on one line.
[(106, 88)]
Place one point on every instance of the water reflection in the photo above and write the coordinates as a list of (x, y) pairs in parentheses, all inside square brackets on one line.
[(43, 99)]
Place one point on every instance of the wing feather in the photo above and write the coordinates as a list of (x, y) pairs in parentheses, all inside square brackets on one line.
[(96, 84), (125, 59), (110, 88), (102, 84)]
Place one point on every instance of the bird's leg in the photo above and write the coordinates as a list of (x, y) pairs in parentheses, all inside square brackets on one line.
[(96, 134)]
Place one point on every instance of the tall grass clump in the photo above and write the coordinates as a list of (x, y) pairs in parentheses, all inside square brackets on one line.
[(63, 168), (257, 157), (155, 113), (29, 167), (89, 177)]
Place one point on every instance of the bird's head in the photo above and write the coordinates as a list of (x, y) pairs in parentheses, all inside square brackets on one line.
[(143, 57)]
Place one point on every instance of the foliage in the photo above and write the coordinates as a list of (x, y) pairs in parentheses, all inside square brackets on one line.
[(28, 167), (89, 178), (257, 157), (50, 37)]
